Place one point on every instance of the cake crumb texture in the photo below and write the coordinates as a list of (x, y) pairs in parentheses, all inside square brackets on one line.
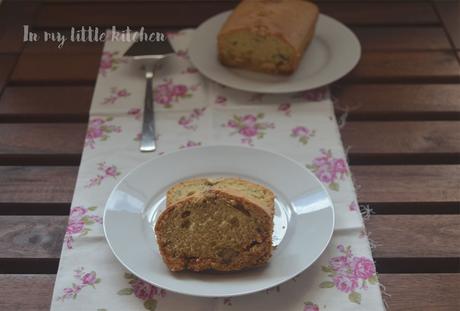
[(216, 224)]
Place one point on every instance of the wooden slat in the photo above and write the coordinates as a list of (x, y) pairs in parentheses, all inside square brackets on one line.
[(384, 142), (416, 235), (7, 63), (38, 184), (364, 101), (414, 292), (394, 139), (381, 13), (402, 38), (31, 236), (56, 68), (46, 103), (396, 101), (182, 14), (407, 292), (449, 12), (374, 66), (68, 48), (376, 184), (407, 183), (41, 139), (44, 61), (407, 66), (13, 15), (26, 292), (147, 14)]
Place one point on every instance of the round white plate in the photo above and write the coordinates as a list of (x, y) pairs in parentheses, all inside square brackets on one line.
[(333, 52), (304, 218)]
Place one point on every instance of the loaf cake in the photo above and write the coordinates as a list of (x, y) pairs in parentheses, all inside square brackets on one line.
[(223, 225), (267, 35)]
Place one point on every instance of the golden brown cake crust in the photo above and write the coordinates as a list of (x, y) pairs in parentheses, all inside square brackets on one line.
[(246, 258), (222, 183), (292, 21)]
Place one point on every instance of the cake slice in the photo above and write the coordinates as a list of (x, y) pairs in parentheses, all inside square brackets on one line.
[(267, 35), (222, 225)]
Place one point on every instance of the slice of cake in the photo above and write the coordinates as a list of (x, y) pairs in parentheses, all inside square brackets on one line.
[(223, 225), (267, 35)]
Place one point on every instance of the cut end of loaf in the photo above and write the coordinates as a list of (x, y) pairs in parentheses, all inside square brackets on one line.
[(214, 230)]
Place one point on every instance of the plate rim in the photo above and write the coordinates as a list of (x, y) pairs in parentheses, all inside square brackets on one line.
[(267, 89), (242, 292)]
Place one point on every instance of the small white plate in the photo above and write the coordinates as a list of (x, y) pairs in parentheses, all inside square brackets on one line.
[(333, 52), (304, 218)]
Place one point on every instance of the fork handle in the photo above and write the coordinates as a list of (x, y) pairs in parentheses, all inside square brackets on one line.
[(148, 124)]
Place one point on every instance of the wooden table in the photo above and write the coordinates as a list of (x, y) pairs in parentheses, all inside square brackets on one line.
[(403, 131)]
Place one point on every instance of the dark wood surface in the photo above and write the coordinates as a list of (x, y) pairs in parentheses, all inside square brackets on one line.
[(402, 130)]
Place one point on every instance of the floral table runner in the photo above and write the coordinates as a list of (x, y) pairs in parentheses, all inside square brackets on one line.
[(193, 111)]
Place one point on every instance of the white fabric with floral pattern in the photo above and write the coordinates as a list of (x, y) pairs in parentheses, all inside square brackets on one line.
[(192, 111)]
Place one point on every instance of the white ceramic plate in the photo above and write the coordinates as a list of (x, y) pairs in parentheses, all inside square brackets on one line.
[(304, 218), (333, 52)]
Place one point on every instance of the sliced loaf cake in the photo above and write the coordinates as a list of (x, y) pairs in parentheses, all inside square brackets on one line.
[(224, 225)]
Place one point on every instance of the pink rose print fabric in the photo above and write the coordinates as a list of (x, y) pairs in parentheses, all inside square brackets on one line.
[(328, 169), (220, 100), (190, 70), (285, 108), (83, 280), (174, 34), (100, 129), (167, 93), (310, 306), (136, 113), (109, 62), (190, 144), (189, 122), (81, 220), (350, 274), (249, 126), (182, 54), (353, 207), (303, 134), (115, 95), (144, 291), (314, 95), (105, 171)]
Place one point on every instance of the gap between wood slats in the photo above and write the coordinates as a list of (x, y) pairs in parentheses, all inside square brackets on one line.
[(353, 159), (383, 265), (407, 208), (401, 208), (35, 209)]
